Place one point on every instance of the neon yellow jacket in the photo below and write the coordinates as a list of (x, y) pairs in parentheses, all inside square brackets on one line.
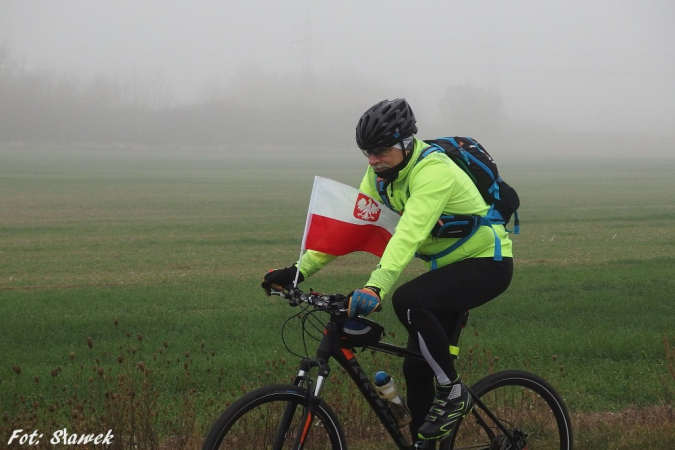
[(422, 192)]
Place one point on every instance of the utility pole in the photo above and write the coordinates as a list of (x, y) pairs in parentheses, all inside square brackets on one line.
[(308, 47)]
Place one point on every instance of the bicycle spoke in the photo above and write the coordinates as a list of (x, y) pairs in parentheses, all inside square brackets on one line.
[(275, 420), (526, 406)]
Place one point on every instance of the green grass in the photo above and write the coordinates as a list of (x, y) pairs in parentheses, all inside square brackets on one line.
[(173, 245)]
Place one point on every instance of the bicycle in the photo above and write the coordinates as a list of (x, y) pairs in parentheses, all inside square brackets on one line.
[(512, 409)]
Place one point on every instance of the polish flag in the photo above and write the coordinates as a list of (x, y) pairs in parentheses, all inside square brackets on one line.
[(342, 220)]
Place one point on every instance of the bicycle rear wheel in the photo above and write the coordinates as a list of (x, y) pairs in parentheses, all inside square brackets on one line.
[(526, 405), (273, 417)]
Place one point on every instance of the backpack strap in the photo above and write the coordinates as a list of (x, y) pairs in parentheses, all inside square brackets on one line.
[(483, 221), (496, 218), (381, 185), (516, 223)]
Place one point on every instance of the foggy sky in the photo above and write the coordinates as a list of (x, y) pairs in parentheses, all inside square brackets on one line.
[(605, 65)]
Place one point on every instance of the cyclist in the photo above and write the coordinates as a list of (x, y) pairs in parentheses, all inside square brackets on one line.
[(429, 305)]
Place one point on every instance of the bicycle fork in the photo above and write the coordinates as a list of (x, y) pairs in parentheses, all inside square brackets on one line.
[(311, 403)]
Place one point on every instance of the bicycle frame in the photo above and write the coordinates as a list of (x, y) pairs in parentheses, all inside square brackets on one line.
[(333, 346)]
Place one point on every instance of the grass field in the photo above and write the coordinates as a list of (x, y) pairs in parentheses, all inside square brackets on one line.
[(157, 257)]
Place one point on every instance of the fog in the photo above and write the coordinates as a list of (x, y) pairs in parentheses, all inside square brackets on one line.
[(302, 72)]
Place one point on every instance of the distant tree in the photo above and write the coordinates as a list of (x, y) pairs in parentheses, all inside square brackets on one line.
[(256, 108), (469, 109)]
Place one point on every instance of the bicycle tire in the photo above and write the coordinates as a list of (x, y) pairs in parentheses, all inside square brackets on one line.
[(524, 403), (256, 421)]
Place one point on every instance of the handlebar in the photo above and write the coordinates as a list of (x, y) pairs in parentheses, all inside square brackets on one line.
[(336, 304)]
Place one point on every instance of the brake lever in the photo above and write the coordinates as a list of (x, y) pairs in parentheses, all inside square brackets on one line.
[(293, 295), (284, 294)]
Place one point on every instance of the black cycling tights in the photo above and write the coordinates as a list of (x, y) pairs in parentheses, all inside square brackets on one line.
[(429, 307)]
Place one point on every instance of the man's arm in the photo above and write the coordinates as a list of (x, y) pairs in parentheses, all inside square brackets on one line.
[(431, 185)]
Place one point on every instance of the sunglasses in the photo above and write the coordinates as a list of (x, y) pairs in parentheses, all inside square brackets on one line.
[(379, 151)]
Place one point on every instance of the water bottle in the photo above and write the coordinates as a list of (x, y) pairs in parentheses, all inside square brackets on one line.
[(384, 385)]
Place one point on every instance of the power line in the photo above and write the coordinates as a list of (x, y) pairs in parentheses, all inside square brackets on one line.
[(601, 72)]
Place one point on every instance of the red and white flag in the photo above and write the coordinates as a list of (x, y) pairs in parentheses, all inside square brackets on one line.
[(342, 220)]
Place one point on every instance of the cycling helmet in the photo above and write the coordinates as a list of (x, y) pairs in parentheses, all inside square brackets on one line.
[(385, 124)]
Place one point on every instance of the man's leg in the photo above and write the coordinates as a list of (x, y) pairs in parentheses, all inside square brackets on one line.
[(420, 391), (428, 307)]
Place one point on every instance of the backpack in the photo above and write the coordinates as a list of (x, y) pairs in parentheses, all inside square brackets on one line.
[(477, 163), (473, 159)]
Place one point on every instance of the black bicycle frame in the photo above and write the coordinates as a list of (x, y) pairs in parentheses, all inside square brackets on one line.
[(333, 346)]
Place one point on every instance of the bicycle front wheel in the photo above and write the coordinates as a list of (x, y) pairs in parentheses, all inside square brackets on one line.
[(526, 405), (274, 417)]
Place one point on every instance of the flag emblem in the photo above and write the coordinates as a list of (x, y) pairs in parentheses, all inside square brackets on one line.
[(366, 209)]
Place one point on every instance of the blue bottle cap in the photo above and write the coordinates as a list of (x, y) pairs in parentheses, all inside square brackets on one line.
[(382, 377)]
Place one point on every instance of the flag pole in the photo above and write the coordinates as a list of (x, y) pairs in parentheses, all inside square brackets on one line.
[(304, 234)]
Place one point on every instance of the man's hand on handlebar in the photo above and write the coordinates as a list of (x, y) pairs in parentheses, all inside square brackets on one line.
[(364, 301), (281, 279), (360, 302), (335, 304)]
